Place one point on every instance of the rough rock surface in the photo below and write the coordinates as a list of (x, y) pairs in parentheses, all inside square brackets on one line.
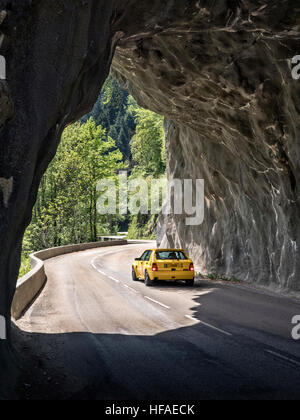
[(58, 54), (223, 77), (219, 70)]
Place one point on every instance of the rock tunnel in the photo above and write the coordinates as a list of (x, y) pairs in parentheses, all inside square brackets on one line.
[(220, 73)]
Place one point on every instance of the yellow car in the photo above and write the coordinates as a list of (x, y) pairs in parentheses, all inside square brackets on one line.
[(164, 264)]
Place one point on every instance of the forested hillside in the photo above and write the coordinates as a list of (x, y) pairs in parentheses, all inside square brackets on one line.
[(116, 135), (111, 111)]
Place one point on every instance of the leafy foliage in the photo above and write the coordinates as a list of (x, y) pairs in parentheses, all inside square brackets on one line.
[(148, 144), (111, 113), (142, 227), (65, 211), (115, 135)]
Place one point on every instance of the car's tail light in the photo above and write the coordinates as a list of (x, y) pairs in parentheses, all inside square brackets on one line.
[(192, 267), (154, 267)]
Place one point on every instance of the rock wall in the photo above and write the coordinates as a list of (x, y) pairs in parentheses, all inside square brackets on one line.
[(219, 70), (58, 54), (251, 226), (223, 77)]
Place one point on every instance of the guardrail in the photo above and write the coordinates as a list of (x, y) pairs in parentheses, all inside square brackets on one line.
[(30, 285), (111, 238)]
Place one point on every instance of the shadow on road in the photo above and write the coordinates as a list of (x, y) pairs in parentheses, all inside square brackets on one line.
[(189, 363)]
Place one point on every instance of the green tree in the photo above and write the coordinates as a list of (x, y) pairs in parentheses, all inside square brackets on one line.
[(148, 144), (66, 210), (117, 129), (111, 112)]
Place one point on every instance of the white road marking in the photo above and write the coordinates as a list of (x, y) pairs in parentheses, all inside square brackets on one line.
[(156, 301), (97, 269), (112, 278), (208, 325), (130, 288), (101, 272), (102, 254), (191, 318), (280, 356)]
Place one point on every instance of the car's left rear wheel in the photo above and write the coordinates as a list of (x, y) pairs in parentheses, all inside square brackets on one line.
[(148, 281), (190, 282), (134, 276)]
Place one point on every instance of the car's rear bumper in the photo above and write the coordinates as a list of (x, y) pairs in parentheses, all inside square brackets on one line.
[(174, 276)]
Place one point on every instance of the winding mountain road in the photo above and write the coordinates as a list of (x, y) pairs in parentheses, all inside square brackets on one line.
[(93, 333)]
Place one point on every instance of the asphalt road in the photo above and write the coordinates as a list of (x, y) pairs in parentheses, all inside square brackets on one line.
[(93, 333)]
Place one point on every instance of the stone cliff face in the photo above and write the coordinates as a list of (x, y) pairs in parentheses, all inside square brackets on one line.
[(220, 73), (222, 77), (58, 53)]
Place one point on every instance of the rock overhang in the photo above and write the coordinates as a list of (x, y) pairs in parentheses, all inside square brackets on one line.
[(219, 72)]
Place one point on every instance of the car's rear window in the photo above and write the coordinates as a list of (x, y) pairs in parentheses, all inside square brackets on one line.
[(170, 255)]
